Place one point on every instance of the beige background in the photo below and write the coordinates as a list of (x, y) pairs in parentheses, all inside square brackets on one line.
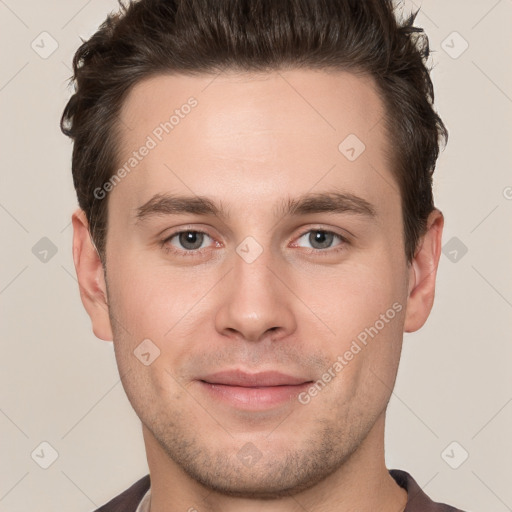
[(59, 384)]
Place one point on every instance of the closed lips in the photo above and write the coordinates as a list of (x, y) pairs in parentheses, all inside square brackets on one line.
[(248, 380)]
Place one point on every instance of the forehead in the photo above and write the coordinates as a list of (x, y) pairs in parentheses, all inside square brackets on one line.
[(249, 135), (235, 103)]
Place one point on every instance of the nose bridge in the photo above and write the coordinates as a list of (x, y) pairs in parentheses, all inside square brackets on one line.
[(252, 273), (254, 301)]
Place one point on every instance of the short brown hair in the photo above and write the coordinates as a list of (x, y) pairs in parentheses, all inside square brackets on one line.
[(148, 37)]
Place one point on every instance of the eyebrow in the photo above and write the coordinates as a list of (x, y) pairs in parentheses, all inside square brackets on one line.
[(322, 202)]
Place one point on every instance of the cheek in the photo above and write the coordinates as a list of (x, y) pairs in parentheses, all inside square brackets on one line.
[(352, 298), (146, 296), (365, 309), (160, 303)]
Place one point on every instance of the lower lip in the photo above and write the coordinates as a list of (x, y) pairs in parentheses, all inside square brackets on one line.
[(254, 398)]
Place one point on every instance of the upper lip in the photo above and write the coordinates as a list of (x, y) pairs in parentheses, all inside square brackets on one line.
[(243, 379)]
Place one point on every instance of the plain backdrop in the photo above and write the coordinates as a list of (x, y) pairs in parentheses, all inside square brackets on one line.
[(450, 417)]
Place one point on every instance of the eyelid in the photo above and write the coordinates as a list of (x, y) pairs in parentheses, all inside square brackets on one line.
[(325, 230)]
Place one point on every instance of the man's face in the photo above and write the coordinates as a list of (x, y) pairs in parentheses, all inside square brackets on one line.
[(263, 289)]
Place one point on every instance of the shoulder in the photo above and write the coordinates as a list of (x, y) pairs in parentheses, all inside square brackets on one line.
[(417, 500), (128, 500)]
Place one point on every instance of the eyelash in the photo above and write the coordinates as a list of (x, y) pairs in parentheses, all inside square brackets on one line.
[(168, 248)]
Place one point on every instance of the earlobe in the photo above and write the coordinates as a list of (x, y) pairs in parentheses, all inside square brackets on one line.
[(91, 278), (423, 271)]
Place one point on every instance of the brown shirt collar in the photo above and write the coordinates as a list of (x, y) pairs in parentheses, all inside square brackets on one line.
[(417, 500)]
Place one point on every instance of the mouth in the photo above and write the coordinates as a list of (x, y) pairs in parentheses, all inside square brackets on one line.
[(253, 391)]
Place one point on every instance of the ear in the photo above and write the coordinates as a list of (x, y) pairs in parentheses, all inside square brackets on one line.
[(422, 274), (91, 278)]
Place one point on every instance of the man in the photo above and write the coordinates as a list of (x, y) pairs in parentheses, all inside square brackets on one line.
[(256, 232)]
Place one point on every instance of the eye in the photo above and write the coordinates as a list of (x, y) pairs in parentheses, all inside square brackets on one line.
[(188, 240), (320, 239)]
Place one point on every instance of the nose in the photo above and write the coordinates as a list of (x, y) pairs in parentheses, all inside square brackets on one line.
[(254, 303)]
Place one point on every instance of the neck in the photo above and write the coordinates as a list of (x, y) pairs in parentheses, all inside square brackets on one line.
[(361, 483)]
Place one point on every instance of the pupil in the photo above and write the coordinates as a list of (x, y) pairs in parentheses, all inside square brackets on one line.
[(191, 239), (321, 239)]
